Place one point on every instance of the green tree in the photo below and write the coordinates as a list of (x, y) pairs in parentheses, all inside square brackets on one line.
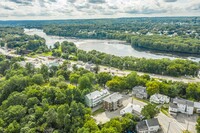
[(198, 125), (152, 87), (45, 72), (149, 111), (74, 78), (84, 83), (38, 79), (103, 77)]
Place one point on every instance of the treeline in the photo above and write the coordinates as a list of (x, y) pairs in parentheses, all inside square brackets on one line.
[(183, 43), (175, 67), (14, 38), (168, 44), (43, 100)]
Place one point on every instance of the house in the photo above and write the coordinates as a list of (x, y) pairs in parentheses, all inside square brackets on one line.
[(159, 99), (197, 107), (131, 108), (182, 106), (140, 92), (112, 102), (95, 98), (148, 126)]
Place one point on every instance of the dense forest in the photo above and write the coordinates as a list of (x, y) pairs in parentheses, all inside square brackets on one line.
[(51, 99), (14, 38), (169, 35), (158, 66)]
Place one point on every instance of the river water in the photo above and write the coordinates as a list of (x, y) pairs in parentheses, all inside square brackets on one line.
[(114, 47)]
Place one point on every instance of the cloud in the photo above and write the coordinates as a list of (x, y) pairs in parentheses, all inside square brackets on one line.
[(97, 1), (64, 9), (23, 2), (170, 0)]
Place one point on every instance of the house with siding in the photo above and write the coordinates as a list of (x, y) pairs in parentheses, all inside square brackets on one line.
[(95, 98), (112, 102), (132, 108), (181, 105), (148, 126), (140, 92), (159, 99)]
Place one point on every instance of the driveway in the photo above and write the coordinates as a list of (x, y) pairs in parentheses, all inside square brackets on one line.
[(106, 116), (177, 124)]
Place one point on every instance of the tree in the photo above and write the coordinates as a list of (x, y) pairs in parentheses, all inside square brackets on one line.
[(84, 83), (103, 77), (38, 79), (74, 78), (45, 72), (56, 45), (152, 87), (132, 80), (149, 111), (96, 68), (198, 125)]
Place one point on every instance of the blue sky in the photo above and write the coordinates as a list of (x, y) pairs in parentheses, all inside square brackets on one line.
[(77, 9)]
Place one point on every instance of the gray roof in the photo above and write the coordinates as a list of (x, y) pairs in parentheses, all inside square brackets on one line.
[(153, 122), (183, 101), (142, 125), (172, 105), (113, 98), (139, 88), (96, 94)]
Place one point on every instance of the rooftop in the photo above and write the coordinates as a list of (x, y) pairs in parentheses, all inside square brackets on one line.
[(142, 125), (183, 101), (97, 94), (113, 98), (172, 105), (152, 122)]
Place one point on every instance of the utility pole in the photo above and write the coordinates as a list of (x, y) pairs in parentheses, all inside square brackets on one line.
[(168, 127), (187, 126)]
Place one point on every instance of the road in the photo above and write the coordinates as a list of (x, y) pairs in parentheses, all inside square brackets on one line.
[(126, 72), (119, 72)]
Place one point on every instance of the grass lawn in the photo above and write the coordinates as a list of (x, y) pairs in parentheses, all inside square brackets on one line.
[(142, 100), (101, 110), (47, 54), (165, 111)]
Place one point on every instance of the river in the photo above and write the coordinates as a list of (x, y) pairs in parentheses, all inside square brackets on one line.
[(114, 47)]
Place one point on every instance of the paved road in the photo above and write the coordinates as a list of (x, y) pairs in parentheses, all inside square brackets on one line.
[(125, 72), (118, 72)]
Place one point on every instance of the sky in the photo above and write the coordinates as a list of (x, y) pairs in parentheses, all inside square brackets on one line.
[(84, 9)]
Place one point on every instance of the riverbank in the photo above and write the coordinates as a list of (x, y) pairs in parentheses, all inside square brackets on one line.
[(113, 47)]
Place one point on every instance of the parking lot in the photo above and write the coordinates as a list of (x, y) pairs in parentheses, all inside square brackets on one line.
[(106, 116)]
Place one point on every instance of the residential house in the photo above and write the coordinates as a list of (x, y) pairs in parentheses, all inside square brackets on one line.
[(159, 99), (197, 107), (148, 126), (131, 108), (112, 102), (182, 106), (140, 92), (95, 98)]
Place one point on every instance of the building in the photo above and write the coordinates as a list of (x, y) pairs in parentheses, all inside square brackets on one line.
[(148, 126), (131, 108), (197, 107), (181, 105), (140, 92), (159, 99), (95, 98), (112, 102)]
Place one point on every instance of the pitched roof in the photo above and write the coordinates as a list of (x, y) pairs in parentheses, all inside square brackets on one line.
[(152, 122), (183, 101), (113, 98), (96, 94), (142, 125), (172, 105)]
